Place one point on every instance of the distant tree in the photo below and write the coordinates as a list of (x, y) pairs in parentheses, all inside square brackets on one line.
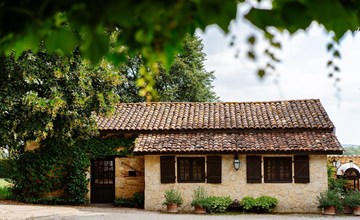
[(186, 81), (352, 150), (46, 96)]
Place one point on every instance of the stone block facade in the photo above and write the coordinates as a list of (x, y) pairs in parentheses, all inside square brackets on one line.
[(345, 159), (293, 197), (125, 184)]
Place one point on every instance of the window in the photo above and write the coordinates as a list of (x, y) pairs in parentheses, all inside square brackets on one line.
[(278, 169), (191, 169)]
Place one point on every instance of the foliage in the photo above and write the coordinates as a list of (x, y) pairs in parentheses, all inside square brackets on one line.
[(235, 206), (337, 184), (352, 150), (53, 167), (262, 204), (248, 203), (46, 96), (173, 196), (200, 198), (218, 204), (5, 192), (7, 168), (137, 201), (330, 198), (155, 29), (186, 81), (352, 198)]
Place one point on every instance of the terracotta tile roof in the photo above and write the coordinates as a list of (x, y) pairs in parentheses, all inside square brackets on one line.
[(219, 115), (238, 142)]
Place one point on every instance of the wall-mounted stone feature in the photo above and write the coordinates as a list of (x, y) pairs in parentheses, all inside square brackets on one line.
[(293, 197), (129, 176)]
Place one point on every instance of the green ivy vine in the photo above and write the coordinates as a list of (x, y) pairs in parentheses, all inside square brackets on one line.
[(55, 167)]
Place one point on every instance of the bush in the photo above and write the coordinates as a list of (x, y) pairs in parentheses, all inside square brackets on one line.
[(5, 192), (218, 204), (248, 203), (266, 203), (352, 198), (262, 204), (7, 168), (200, 198), (172, 196), (124, 202), (330, 198), (235, 206), (136, 201)]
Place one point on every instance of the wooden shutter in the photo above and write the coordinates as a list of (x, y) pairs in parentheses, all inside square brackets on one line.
[(253, 169), (167, 169), (214, 169), (301, 169)]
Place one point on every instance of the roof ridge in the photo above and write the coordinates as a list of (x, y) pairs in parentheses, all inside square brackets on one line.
[(219, 102)]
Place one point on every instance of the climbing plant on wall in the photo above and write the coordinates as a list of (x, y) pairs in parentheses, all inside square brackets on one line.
[(56, 167)]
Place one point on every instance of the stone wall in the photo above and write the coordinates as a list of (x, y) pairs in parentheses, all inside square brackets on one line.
[(125, 185), (345, 159), (292, 197)]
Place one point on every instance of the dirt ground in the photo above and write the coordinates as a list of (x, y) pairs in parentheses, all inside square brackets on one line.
[(22, 211)]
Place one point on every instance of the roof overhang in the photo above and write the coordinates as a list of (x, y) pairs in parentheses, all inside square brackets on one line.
[(230, 142)]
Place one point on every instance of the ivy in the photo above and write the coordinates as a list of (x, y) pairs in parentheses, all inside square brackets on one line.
[(55, 167)]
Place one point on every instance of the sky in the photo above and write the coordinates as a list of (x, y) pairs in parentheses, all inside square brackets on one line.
[(302, 73)]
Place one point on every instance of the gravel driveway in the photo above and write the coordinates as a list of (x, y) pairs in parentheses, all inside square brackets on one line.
[(11, 211)]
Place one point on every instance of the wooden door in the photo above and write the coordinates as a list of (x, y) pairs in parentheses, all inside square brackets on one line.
[(103, 181)]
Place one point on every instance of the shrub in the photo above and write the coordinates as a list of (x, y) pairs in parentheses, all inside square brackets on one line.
[(248, 203), (136, 201), (173, 196), (262, 204), (352, 198), (218, 204), (5, 192), (330, 198), (266, 203), (200, 198), (124, 202), (235, 206)]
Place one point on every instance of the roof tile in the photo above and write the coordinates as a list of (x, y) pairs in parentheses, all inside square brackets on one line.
[(217, 115), (237, 142)]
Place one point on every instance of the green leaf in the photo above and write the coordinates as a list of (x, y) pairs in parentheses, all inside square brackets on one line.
[(337, 54), (329, 46), (95, 46), (261, 73), (251, 40), (62, 40)]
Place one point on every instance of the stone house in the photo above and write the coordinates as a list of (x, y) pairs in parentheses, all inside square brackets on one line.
[(235, 149)]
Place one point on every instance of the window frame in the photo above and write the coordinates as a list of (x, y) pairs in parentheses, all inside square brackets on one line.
[(276, 163), (191, 174)]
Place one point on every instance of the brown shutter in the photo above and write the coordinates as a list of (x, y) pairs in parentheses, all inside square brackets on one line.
[(253, 169), (167, 169), (301, 169), (214, 169)]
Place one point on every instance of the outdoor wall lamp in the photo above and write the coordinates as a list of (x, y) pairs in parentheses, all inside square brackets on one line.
[(336, 163), (236, 162)]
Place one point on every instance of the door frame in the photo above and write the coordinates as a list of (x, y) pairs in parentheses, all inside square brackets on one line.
[(92, 188)]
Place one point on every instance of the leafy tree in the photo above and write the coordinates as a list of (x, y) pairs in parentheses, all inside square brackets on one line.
[(46, 96), (187, 79)]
